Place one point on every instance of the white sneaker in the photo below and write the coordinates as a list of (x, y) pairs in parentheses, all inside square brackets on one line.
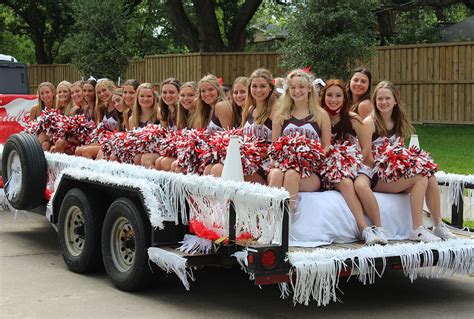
[(371, 238), (423, 234), (382, 234), (442, 231)]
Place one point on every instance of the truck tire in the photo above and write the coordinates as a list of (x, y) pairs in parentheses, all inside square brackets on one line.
[(79, 231), (24, 171), (125, 240)]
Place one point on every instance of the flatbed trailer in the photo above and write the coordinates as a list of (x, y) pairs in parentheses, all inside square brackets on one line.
[(123, 216)]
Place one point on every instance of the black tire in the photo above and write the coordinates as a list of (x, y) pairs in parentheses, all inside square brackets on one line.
[(125, 240), (79, 231), (23, 160)]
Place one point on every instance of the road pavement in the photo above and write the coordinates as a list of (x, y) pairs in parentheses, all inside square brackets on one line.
[(35, 283)]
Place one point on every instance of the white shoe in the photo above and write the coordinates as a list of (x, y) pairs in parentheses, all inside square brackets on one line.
[(442, 231), (382, 234), (423, 234), (371, 238)]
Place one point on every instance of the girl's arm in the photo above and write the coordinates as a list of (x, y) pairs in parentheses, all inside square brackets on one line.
[(363, 136), (223, 111), (325, 130), (365, 108), (370, 128)]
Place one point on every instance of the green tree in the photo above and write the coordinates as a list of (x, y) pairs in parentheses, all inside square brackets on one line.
[(46, 22), (332, 36), (99, 45)]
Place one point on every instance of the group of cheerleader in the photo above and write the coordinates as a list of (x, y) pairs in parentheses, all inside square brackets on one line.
[(293, 134)]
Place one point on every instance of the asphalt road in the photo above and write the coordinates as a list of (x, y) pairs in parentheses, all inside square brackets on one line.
[(35, 283)]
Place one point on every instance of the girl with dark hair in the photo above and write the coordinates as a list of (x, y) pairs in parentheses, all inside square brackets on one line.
[(359, 92)]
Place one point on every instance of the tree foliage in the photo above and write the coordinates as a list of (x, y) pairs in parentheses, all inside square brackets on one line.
[(99, 45), (45, 22), (330, 35)]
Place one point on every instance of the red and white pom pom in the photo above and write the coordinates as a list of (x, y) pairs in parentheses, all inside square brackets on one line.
[(342, 161), (392, 161), (81, 128), (98, 133), (35, 127), (422, 162), (252, 150), (193, 151), (53, 124), (297, 152), (167, 145)]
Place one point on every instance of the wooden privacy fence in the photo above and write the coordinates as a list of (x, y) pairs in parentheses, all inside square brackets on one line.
[(436, 81)]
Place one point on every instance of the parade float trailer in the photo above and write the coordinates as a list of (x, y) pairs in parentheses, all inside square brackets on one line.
[(136, 222)]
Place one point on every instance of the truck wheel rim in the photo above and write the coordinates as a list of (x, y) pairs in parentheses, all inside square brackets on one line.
[(15, 175), (122, 243), (74, 231)]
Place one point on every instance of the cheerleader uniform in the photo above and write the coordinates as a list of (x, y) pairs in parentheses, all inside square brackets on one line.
[(303, 126), (262, 132), (376, 141), (143, 124), (110, 120), (214, 124)]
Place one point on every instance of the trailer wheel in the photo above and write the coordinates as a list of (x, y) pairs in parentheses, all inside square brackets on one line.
[(125, 240), (79, 230), (24, 171)]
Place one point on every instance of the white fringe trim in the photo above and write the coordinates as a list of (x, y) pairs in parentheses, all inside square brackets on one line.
[(241, 257), (170, 262), (317, 272), (259, 208), (456, 182), (192, 245)]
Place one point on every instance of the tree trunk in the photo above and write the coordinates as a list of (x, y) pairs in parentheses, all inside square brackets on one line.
[(386, 25), (185, 30), (208, 26), (236, 41)]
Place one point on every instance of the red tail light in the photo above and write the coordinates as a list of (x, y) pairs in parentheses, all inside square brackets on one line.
[(269, 259), (250, 260)]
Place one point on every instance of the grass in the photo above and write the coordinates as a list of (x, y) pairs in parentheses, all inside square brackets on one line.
[(450, 145)]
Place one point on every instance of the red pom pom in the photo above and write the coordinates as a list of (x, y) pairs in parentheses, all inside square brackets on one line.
[(297, 152)]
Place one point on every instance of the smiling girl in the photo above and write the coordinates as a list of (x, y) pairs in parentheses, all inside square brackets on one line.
[(389, 120), (348, 126), (359, 92), (299, 112)]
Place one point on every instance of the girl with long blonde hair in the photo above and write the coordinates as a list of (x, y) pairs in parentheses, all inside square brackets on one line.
[(299, 111)]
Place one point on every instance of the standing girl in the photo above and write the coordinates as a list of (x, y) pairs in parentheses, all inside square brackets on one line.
[(299, 111), (346, 126), (389, 120), (359, 92)]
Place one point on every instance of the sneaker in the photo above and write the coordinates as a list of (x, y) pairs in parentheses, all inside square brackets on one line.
[(382, 234), (442, 231), (423, 234), (371, 238)]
